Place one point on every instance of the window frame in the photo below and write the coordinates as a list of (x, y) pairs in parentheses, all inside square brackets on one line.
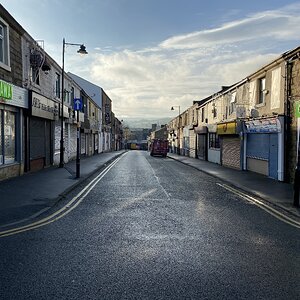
[(214, 141), (261, 99), (57, 85), (5, 64), (3, 156)]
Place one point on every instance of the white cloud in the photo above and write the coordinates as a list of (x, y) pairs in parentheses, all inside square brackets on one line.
[(147, 82), (271, 24)]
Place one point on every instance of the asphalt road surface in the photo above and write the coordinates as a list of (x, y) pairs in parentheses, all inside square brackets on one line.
[(153, 228)]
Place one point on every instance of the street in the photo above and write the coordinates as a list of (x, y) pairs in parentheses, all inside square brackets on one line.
[(153, 228)]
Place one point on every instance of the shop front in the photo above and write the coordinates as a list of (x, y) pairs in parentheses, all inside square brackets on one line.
[(201, 142), (264, 144), (231, 143), (213, 153), (186, 141), (39, 132), (13, 101)]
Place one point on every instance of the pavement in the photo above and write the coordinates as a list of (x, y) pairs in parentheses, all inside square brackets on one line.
[(26, 197), (277, 194)]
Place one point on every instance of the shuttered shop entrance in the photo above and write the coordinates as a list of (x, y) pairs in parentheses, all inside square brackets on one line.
[(231, 152), (202, 146), (262, 153), (40, 143)]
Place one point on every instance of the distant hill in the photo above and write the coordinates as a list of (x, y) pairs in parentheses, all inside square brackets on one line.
[(144, 123)]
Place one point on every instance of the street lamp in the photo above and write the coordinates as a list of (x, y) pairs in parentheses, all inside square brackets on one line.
[(178, 134), (80, 51)]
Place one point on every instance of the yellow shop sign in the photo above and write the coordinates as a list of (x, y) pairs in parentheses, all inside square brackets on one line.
[(227, 128)]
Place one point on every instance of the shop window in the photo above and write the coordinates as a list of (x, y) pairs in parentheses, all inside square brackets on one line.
[(4, 45), (1, 143), (7, 137), (214, 141)]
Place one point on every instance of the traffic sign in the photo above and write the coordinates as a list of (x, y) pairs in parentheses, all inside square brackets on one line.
[(77, 104)]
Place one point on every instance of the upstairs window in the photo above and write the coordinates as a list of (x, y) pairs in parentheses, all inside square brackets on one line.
[(4, 45), (214, 110), (57, 85), (262, 90), (202, 114), (232, 104), (72, 95)]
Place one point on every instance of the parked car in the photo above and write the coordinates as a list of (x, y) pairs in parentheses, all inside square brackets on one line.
[(159, 147)]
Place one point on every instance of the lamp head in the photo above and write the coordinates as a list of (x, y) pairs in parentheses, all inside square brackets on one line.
[(82, 50)]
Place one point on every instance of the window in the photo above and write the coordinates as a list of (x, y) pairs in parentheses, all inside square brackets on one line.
[(57, 85), (35, 75), (4, 45), (262, 89), (202, 114), (72, 95), (214, 141), (214, 110), (7, 137), (232, 104)]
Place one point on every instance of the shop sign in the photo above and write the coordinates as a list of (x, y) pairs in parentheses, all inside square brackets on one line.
[(227, 128), (43, 107), (66, 112), (13, 95), (212, 128), (81, 116), (6, 90), (269, 125), (297, 112), (200, 129)]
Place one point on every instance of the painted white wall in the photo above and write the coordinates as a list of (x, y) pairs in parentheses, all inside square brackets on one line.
[(214, 156)]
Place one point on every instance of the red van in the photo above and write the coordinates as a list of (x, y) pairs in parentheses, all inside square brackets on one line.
[(159, 147)]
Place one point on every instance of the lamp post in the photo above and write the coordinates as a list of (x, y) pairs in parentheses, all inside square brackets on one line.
[(178, 134), (81, 51)]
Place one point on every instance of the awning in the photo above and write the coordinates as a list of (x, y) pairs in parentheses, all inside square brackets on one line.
[(266, 125)]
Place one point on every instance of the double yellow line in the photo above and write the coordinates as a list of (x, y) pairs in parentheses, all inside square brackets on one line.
[(64, 210), (275, 213)]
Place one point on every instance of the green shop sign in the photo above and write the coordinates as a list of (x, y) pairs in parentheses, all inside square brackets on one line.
[(6, 90)]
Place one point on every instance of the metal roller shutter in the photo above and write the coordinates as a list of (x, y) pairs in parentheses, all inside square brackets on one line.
[(202, 146), (37, 138), (40, 143), (231, 152)]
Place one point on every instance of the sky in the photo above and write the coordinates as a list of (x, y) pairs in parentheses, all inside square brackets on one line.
[(150, 55)]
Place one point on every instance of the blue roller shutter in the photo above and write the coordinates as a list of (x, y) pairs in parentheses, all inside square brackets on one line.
[(264, 146), (258, 145)]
